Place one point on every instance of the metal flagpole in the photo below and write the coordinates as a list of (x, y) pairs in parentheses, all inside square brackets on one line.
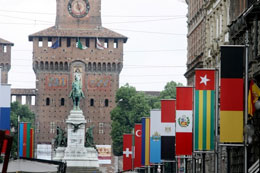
[(216, 119), (246, 99)]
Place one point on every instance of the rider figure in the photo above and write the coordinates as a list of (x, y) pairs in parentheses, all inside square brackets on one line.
[(76, 92)]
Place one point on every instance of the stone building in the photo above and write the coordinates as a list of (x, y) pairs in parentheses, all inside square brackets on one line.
[(196, 37), (226, 23), (5, 59), (56, 60)]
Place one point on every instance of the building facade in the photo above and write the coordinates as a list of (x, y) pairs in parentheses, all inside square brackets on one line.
[(226, 23), (57, 58), (195, 37), (5, 59)]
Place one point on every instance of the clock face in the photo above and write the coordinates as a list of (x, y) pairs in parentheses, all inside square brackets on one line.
[(78, 8)]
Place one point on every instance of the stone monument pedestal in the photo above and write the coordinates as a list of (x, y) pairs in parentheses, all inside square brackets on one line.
[(76, 154)]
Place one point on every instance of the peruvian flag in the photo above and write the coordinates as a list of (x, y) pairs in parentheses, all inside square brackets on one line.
[(127, 152), (184, 103), (138, 146)]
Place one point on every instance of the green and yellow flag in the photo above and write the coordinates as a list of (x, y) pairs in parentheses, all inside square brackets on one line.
[(204, 125)]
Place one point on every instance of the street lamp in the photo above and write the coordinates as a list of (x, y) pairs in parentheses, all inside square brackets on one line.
[(257, 104)]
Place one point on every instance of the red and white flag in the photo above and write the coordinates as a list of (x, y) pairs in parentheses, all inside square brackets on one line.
[(184, 121), (138, 146), (127, 152), (99, 45)]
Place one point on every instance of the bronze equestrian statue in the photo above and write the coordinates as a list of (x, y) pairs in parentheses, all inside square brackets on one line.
[(76, 93)]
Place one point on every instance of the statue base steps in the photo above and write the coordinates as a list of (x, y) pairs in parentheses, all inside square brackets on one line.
[(82, 170)]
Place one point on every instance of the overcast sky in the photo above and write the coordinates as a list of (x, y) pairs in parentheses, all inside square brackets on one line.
[(154, 54)]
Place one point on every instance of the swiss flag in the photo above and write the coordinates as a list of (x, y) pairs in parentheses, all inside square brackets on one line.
[(205, 79), (127, 152), (138, 146)]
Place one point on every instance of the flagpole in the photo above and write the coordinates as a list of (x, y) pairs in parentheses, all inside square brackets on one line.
[(193, 144), (216, 119), (246, 99)]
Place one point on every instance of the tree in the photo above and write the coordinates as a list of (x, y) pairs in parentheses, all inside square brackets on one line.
[(25, 115), (131, 107), (169, 91)]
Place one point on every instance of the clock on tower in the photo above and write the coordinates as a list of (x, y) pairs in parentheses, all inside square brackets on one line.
[(78, 8)]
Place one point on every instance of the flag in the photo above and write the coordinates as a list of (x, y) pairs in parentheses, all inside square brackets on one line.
[(204, 126), (155, 136), (80, 46), (5, 100), (145, 141), (56, 44), (99, 45), (127, 152), (25, 140), (253, 95), (138, 145), (232, 94), (168, 129), (184, 120)]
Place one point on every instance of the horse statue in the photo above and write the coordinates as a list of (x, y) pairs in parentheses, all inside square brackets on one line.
[(76, 93)]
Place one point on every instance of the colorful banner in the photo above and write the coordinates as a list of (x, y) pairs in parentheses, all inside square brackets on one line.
[(138, 146), (155, 136), (184, 120), (127, 152), (253, 95), (104, 154), (5, 101), (26, 137), (168, 116), (146, 141), (204, 125), (232, 94)]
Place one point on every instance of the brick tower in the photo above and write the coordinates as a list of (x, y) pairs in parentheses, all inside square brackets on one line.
[(56, 66), (5, 59)]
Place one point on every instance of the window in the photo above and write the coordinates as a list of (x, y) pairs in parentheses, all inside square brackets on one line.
[(62, 102), (23, 100), (40, 42), (106, 102), (5, 48), (47, 101), (87, 42), (106, 43), (91, 102), (52, 127), (49, 42), (115, 43), (37, 130), (68, 42)]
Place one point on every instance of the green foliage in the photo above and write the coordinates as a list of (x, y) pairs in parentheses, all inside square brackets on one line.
[(25, 116), (169, 91), (131, 107)]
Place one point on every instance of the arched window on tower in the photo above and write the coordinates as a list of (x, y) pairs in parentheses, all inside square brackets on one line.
[(51, 65), (46, 65), (66, 66), (106, 102), (91, 102), (56, 66), (61, 66), (62, 101), (41, 65), (99, 66), (47, 101), (104, 67)]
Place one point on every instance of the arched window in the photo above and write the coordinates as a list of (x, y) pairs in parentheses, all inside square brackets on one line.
[(89, 66), (106, 102), (51, 65), (46, 65), (114, 67), (66, 66), (104, 67), (91, 102), (47, 101), (99, 66), (56, 66), (41, 65), (108, 67), (61, 66), (62, 101)]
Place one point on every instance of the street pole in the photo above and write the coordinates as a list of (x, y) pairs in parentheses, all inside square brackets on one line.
[(216, 119), (246, 100)]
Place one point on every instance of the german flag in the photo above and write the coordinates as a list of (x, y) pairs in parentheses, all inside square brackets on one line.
[(232, 94)]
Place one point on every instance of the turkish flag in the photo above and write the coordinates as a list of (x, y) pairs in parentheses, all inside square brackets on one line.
[(138, 146), (127, 152), (205, 79)]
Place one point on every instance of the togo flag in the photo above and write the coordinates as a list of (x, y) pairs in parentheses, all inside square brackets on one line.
[(204, 126)]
